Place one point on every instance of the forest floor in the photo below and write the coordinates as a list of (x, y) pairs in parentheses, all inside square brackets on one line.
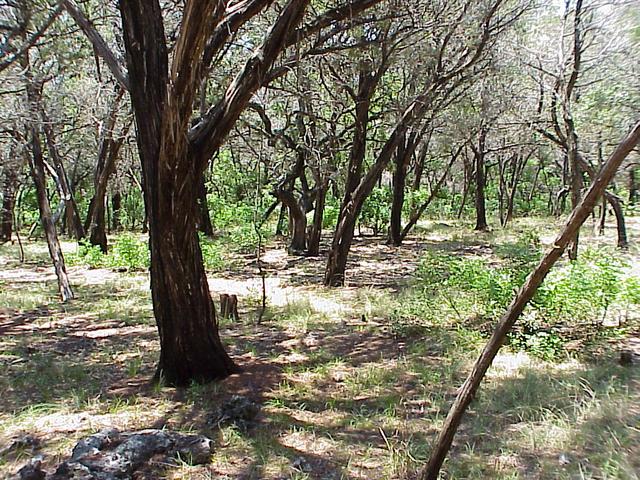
[(344, 391)]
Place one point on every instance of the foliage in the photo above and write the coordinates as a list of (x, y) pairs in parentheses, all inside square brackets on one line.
[(475, 289), (376, 210)]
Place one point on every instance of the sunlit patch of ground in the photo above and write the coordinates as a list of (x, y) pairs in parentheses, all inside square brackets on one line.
[(343, 394)]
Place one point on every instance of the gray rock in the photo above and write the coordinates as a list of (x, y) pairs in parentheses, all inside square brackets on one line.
[(111, 455), (239, 411)]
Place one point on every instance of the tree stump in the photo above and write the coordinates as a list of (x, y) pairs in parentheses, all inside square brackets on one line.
[(229, 306)]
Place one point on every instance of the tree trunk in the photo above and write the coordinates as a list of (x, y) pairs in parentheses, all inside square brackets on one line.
[(633, 185), (479, 153), (36, 164), (108, 154), (72, 216), (116, 205), (190, 346), (204, 218), (9, 191), (298, 222), (434, 192), (522, 298), (405, 151), (315, 233)]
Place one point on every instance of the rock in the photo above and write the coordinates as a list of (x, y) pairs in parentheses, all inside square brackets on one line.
[(239, 411), (301, 464), (32, 470), (112, 455)]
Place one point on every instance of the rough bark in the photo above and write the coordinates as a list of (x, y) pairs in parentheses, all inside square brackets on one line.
[(522, 298)]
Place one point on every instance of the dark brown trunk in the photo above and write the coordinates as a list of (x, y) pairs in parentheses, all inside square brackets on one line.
[(190, 346), (399, 180), (621, 228), (522, 298), (9, 191), (204, 218), (315, 233), (116, 205), (297, 224)]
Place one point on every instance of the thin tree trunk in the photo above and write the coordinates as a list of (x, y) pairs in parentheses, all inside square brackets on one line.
[(522, 298), (36, 164), (9, 192), (633, 185), (315, 233), (434, 192), (399, 179), (116, 205), (479, 153), (204, 222), (72, 216)]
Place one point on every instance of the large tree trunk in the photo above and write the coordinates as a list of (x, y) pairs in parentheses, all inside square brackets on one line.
[(522, 298), (36, 164), (190, 346)]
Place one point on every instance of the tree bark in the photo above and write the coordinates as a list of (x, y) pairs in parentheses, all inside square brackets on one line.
[(36, 164), (479, 153), (403, 155), (190, 346), (204, 220), (9, 192), (522, 298), (315, 233)]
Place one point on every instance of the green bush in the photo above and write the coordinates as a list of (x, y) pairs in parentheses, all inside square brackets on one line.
[(376, 210), (459, 289), (212, 254), (130, 252)]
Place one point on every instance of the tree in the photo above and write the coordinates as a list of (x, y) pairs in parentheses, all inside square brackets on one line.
[(174, 149)]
